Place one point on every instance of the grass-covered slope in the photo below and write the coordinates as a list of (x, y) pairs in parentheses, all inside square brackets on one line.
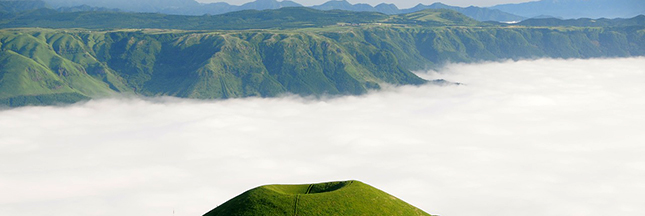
[(239, 64), (332, 198), (49, 66), (38, 62), (44, 66), (435, 17)]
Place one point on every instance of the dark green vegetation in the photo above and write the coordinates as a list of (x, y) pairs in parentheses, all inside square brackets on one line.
[(478, 13), (45, 66), (333, 198), (285, 18)]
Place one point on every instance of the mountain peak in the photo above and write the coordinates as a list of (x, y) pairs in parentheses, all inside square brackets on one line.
[(438, 4), (268, 4), (336, 2)]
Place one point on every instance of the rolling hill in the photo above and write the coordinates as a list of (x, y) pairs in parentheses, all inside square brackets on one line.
[(331, 198)]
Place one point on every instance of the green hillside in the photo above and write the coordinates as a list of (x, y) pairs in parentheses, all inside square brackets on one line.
[(46, 66), (227, 64), (435, 17), (332, 198), (40, 62)]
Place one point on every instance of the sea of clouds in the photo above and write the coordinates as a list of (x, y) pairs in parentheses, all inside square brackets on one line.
[(534, 138)]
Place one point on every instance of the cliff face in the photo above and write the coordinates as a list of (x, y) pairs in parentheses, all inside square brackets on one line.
[(42, 66)]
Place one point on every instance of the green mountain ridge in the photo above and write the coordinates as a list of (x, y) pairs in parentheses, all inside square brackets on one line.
[(19, 6), (45, 66), (284, 18), (331, 198), (194, 8), (586, 22), (569, 9)]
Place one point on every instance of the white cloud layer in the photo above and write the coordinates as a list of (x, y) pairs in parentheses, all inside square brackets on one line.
[(534, 138)]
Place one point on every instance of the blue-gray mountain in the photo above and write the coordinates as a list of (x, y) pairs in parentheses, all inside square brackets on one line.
[(477, 13), (192, 7), (181, 7), (14, 6), (569, 9), (506, 12)]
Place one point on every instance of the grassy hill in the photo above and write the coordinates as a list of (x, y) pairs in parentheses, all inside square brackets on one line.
[(434, 17), (332, 198), (49, 67)]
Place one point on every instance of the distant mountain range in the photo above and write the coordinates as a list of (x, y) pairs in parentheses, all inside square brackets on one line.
[(571, 9), (565, 9), (586, 22), (477, 13), (17, 6), (178, 7), (192, 7)]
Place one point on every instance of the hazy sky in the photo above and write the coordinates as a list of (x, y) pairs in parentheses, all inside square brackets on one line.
[(532, 138), (399, 3)]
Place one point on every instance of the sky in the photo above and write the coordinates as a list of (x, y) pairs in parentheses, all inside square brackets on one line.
[(532, 137), (398, 3)]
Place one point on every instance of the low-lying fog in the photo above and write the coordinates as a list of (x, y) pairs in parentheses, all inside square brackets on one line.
[(533, 138)]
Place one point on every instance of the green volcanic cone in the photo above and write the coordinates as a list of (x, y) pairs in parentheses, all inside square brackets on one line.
[(332, 198)]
